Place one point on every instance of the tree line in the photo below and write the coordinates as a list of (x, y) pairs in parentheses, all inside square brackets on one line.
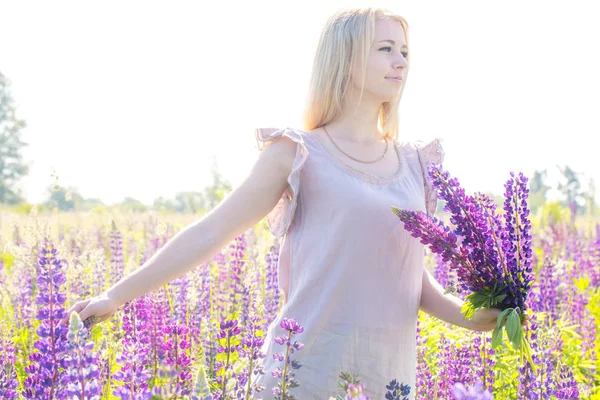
[(13, 169)]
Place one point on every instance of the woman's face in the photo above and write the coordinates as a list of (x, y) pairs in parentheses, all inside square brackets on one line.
[(386, 60)]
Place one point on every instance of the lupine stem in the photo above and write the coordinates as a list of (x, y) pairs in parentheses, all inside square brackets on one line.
[(223, 394), (249, 380), (484, 357), (285, 364)]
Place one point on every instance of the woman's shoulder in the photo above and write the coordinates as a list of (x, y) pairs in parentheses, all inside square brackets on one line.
[(266, 135), (430, 148)]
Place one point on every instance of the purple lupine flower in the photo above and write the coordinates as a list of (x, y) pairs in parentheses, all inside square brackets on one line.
[(493, 260), (133, 376), (104, 362), (447, 374), (229, 348), (430, 231), (212, 348), (397, 391), (538, 386), (134, 373), (588, 328), (81, 370), (566, 385), (181, 284), (483, 362), (548, 282), (23, 303), (529, 384), (517, 240), (477, 360), (442, 240), (287, 380), (209, 342), (356, 392), (201, 389), (117, 263), (495, 231), (477, 392), (222, 281), (440, 271), (251, 349), (423, 374), (236, 266), (594, 272), (272, 287), (8, 375), (462, 365), (479, 259), (201, 280), (159, 310), (117, 266), (77, 282), (467, 215), (44, 372), (177, 362), (246, 290), (99, 276)]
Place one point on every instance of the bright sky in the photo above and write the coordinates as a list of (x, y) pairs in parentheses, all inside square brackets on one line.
[(135, 98)]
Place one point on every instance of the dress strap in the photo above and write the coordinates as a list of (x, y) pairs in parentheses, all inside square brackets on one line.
[(429, 153)]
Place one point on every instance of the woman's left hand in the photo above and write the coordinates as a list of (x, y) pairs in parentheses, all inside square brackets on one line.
[(484, 319)]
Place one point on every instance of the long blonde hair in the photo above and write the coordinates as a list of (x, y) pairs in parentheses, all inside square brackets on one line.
[(345, 39)]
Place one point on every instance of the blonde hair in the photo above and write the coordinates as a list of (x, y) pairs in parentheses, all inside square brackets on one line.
[(345, 39)]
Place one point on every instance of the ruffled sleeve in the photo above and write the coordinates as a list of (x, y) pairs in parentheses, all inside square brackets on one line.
[(280, 217), (428, 153)]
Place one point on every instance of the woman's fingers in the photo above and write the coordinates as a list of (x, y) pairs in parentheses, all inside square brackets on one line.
[(92, 310), (77, 307), (88, 322)]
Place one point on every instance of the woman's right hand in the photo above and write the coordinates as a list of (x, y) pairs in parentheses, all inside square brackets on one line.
[(93, 310)]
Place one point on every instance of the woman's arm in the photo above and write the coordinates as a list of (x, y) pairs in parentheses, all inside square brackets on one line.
[(199, 241), (447, 307)]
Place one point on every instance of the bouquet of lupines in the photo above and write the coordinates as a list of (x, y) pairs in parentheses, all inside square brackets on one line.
[(491, 254)]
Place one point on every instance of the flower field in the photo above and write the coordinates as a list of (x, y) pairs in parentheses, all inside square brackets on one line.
[(199, 337)]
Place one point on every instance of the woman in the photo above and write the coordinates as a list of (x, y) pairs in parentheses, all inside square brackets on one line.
[(352, 276)]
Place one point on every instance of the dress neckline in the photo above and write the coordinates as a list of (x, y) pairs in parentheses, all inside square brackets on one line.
[(361, 174)]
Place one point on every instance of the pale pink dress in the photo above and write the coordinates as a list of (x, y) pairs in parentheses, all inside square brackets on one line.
[(350, 271)]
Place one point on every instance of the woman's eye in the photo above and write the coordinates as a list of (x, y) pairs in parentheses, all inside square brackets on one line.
[(404, 53)]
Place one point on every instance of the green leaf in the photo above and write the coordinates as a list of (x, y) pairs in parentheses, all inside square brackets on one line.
[(512, 325), (500, 320), (526, 349), (468, 309), (476, 297), (499, 298), (518, 337), (582, 283), (497, 336)]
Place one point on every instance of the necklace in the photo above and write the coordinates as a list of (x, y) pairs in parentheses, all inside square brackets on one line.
[(364, 162)]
